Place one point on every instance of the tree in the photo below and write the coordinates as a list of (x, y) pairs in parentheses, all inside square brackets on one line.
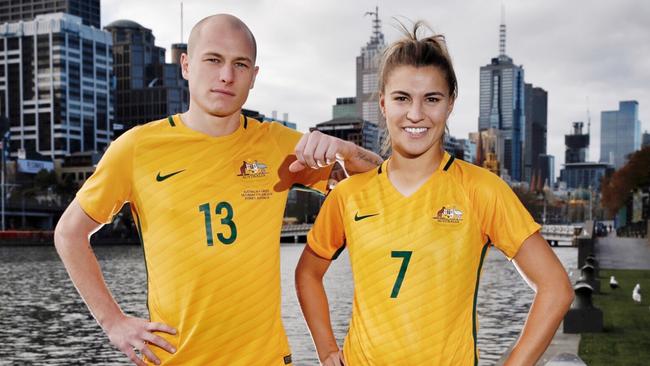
[(634, 175)]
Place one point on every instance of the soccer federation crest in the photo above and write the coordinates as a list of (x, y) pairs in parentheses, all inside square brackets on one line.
[(252, 169), (449, 215)]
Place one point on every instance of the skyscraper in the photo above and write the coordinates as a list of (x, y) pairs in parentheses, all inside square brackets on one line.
[(55, 88), (501, 106), (367, 97), (345, 107), (354, 129), (576, 144), (147, 88), (577, 172), (15, 10), (645, 139), (535, 101), (620, 133)]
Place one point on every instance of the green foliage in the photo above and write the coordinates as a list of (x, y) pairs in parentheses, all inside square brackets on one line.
[(46, 183), (44, 179)]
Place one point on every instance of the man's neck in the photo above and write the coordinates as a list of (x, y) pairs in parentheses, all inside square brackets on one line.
[(211, 125)]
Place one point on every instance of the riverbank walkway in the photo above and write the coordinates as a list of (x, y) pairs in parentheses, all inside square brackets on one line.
[(611, 252)]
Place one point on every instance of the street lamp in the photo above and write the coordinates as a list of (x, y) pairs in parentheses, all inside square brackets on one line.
[(541, 195)]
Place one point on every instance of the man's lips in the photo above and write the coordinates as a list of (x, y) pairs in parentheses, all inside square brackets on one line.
[(223, 91)]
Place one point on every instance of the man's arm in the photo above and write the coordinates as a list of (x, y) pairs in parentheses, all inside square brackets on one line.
[(71, 238), (543, 271), (316, 150)]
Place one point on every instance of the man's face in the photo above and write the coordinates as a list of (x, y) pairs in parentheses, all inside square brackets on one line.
[(220, 69)]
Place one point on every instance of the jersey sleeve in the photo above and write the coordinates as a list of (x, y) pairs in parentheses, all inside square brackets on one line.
[(503, 217), (109, 187), (287, 139), (327, 236)]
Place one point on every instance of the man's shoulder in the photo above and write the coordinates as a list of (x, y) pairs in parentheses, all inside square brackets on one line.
[(276, 129), (147, 127), (157, 125)]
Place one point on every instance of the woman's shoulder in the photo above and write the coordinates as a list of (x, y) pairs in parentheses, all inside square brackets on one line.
[(355, 183), (474, 174)]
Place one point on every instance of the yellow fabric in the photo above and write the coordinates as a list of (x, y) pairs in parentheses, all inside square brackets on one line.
[(223, 297), (437, 239)]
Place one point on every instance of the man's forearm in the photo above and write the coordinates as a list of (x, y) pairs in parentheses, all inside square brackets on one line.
[(84, 271), (362, 160)]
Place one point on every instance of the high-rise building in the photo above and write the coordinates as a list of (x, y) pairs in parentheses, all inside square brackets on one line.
[(535, 101), (501, 106), (620, 133), (645, 139), (577, 145), (147, 88), (489, 145), (466, 149), (345, 107), (177, 50), (55, 85), (585, 175), (545, 172), (354, 129), (15, 10), (578, 173), (367, 98)]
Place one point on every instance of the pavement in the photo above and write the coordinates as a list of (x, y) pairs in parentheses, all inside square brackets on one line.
[(623, 253)]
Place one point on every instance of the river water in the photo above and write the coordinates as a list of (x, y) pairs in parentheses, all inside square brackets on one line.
[(43, 321)]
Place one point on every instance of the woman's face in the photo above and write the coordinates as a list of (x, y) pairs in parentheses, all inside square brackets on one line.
[(416, 104)]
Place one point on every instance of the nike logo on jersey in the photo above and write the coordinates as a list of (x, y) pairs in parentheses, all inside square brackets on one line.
[(160, 178), (359, 218)]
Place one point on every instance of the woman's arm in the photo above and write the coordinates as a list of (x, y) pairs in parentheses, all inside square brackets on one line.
[(313, 302), (541, 268)]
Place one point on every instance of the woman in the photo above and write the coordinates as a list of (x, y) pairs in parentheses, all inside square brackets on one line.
[(417, 230)]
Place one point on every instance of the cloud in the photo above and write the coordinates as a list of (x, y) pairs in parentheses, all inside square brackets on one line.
[(307, 51)]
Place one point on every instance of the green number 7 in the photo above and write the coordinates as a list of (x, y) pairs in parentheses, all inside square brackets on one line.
[(406, 258)]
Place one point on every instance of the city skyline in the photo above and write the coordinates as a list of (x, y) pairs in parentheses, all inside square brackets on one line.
[(307, 53)]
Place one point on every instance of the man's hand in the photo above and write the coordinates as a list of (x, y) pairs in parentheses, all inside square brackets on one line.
[(316, 150), (129, 334), (334, 359)]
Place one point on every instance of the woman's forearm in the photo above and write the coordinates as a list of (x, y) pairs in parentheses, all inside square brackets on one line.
[(315, 308), (544, 317)]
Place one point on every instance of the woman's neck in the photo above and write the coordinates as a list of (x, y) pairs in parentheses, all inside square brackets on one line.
[(408, 173)]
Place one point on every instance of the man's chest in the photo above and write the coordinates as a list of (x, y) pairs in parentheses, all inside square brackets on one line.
[(188, 175)]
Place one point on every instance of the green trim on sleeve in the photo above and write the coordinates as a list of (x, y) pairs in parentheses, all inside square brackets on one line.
[(338, 252), (478, 277)]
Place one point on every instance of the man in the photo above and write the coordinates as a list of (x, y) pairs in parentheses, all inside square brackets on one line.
[(207, 190)]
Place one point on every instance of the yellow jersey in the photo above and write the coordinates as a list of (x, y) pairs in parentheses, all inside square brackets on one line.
[(209, 213), (416, 261)]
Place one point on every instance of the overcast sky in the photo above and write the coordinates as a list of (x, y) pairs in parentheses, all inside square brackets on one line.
[(584, 53)]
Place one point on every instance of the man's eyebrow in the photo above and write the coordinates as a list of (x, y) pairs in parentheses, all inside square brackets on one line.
[(218, 55)]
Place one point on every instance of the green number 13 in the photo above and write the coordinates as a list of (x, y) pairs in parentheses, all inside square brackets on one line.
[(406, 258), (227, 220)]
